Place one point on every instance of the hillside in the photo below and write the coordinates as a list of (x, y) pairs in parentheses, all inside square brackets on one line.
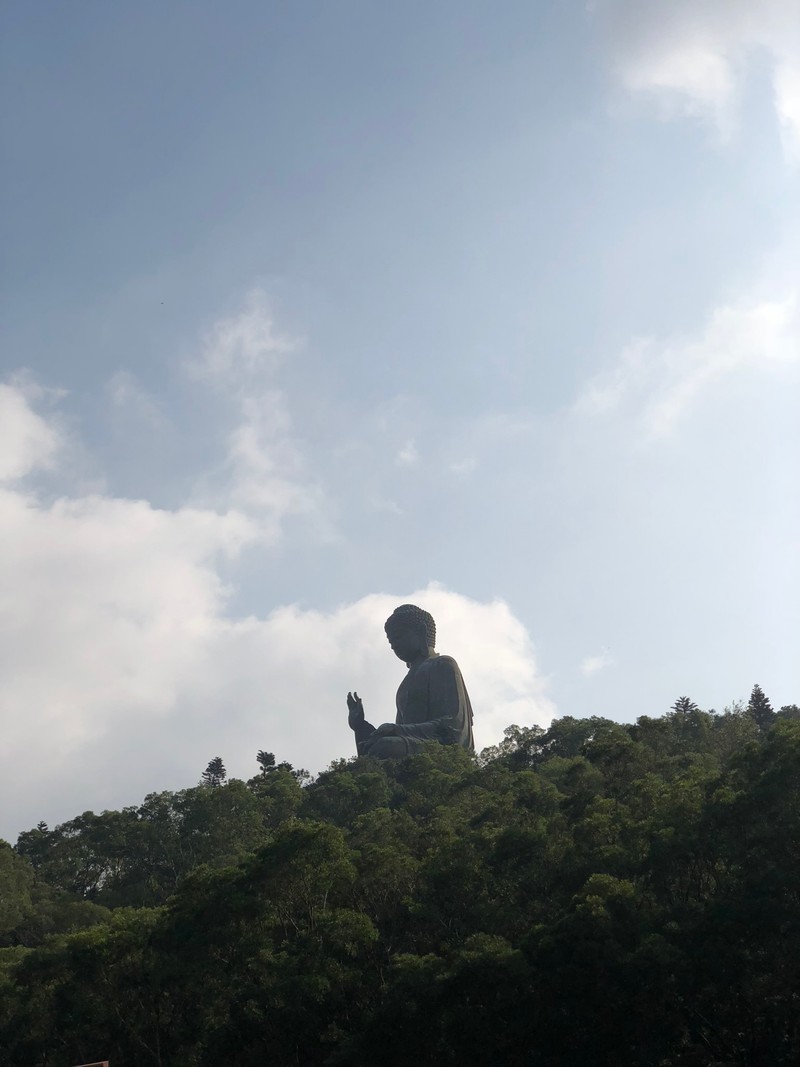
[(591, 894)]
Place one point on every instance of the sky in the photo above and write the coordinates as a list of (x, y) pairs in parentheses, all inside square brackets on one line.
[(309, 310)]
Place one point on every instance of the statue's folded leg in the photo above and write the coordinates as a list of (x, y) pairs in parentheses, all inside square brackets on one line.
[(388, 748), (396, 747)]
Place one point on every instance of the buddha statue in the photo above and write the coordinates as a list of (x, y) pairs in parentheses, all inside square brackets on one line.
[(432, 701)]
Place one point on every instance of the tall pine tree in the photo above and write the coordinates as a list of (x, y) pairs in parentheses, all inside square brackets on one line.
[(215, 773), (684, 706), (760, 709), (266, 761)]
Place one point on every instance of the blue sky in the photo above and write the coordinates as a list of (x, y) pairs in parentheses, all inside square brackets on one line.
[(311, 309)]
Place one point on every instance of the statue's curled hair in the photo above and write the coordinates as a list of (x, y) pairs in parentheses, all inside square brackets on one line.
[(410, 613)]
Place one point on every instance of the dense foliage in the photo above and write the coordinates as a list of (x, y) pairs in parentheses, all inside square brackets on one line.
[(590, 894)]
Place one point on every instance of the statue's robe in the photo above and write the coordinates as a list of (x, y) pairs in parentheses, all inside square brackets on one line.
[(432, 705)]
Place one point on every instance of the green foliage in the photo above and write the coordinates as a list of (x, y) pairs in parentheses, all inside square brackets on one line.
[(215, 773), (588, 894), (16, 888), (266, 761), (760, 709), (137, 857)]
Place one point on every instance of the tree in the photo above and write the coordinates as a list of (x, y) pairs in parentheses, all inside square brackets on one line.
[(688, 725), (16, 883), (684, 706), (215, 773), (266, 761), (760, 709), (600, 893)]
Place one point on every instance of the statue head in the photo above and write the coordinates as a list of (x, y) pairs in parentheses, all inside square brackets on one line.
[(411, 632)]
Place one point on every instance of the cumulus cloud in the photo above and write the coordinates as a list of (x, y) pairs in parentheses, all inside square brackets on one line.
[(242, 346), (263, 472), (127, 394), (124, 671), (463, 468), (660, 382), (385, 504), (592, 664), (690, 56), (408, 455), (27, 441)]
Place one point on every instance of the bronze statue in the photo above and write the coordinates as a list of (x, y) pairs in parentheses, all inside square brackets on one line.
[(432, 701)]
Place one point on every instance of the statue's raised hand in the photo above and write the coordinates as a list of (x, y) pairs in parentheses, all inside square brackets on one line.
[(355, 709)]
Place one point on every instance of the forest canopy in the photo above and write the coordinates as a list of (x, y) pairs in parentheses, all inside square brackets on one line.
[(593, 893)]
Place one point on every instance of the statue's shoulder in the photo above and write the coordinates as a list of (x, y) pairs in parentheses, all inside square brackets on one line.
[(444, 663)]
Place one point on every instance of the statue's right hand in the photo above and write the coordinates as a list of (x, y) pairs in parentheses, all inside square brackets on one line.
[(355, 708)]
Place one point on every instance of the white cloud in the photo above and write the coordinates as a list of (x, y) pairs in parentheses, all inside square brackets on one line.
[(263, 472), (242, 346), (593, 664), (787, 102), (27, 441), (386, 504), (408, 456), (690, 56), (127, 394), (463, 468), (123, 671), (264, 466), (660, 382)]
